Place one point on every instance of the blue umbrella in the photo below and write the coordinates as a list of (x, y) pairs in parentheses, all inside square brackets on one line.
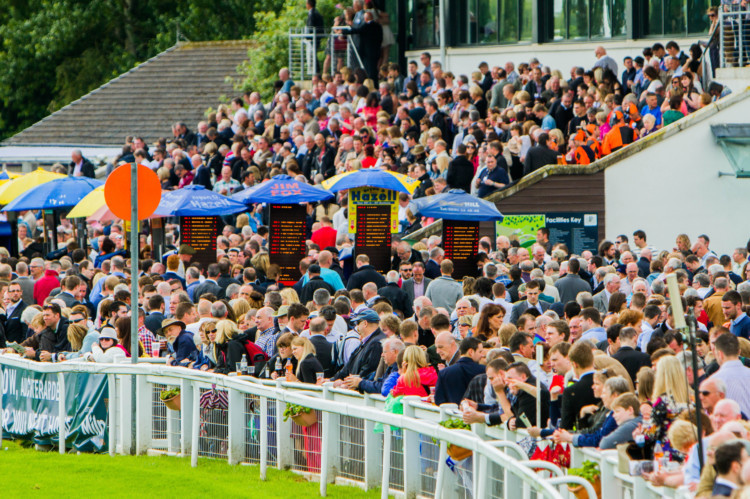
[(196, 201), (282, 189), (60, 193), (456, 204), (371, 177)]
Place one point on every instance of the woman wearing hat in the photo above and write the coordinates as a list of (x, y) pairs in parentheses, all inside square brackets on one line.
[(106, 351)]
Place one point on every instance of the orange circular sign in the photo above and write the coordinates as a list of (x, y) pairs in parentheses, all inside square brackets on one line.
[(117, 192)]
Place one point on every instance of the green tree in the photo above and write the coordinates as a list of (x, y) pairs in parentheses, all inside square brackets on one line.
[(54, 51)]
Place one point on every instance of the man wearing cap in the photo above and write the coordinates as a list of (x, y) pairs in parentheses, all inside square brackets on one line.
[(181, 344), (365, 359), (314, 283)]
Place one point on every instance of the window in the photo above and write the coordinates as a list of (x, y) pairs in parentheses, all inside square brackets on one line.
[(588, 19), (734, 140), (485, 22), (676, 17)]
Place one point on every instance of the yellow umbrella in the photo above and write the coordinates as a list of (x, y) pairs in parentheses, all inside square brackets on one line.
[(11, 190), (6, 176), (89, 205)]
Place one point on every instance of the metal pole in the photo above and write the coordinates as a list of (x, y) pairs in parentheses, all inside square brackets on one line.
[(133, 292), (540, 362), (441, 6)]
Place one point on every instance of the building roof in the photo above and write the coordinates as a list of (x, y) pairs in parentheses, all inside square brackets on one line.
[(178, 84)]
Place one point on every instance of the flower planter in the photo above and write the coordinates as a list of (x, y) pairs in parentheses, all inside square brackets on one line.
[(458, 453), (173, 403), (305, 419), (580, 492)]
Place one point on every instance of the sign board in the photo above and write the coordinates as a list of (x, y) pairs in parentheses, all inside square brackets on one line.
[(373, 196), (373, 237), (200, 233), (31, 408), (286, 240), (578, 231), (461, 245)]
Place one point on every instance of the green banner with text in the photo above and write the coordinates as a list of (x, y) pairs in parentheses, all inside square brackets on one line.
[(31, 408)]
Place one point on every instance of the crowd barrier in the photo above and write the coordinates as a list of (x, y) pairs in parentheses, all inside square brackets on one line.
[(355, 441)]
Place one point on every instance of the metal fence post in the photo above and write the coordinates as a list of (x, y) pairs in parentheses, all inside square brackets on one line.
[(263, 437), (411, 453), (236, 427), (329, 443), (62, 413), (196, 427), (187, 414), (112, 412), (127, 412), (385, 480), (372, 449), (284, 443), (143, 414)]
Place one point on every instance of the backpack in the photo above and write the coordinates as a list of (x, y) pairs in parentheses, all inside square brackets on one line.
[(337, 350)]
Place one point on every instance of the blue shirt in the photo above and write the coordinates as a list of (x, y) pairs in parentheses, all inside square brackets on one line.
[(548, 123), (330, 276), (96, 292), (656, 113), (595, 334)]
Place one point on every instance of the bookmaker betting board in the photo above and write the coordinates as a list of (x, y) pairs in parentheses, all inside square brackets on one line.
[(461, 244), (287, 240), (200, 233), (373, 237)]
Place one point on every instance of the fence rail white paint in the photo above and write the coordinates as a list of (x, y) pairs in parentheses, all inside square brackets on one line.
[(342, 447)]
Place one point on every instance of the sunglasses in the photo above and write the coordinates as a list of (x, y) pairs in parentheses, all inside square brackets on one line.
[(210, 331), (705, 393)]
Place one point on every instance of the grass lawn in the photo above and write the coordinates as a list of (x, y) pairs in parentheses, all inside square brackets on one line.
[(30, 473)]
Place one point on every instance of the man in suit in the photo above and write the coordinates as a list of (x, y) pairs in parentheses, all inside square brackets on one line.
[(80, 166), (729, 459), (69, 289), (365, 359), (533, 291), (405, 253), (398, 297), (26, 282), (580, 393), (591, 325), (155, 315), (571, 284), (432, 267), (209, 285), (739, 322), (54, 337), (15, 329), (601, 299), (370, 40), (460, 171), (365, 273), (453, 381), (323, 348), (202, 172), (417, 285), (523, 403), (631, 358)]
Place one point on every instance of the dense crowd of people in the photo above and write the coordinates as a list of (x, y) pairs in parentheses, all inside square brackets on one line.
[(615, 369)]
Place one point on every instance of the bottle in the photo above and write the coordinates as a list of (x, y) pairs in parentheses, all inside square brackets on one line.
[(289, 367), (658, 455), (243, 364), (277, 368)]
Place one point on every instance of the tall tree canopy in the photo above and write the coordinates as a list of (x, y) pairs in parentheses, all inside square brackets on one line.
[(54, 51)]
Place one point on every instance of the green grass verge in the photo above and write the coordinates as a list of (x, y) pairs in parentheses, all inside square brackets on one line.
[(31, 473)]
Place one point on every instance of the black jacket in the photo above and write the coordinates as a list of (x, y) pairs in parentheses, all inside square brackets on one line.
[(312, 285), (537, 157), (308, 368), (54, 341), (224, 281), (525, 403), (398, 298), (432, 269), (632, 360), (153, 322), (453, 381), (15, 329), (325, 165), (365, 274), (207, 286), (574, 397), (460, 173), (214, 164), (323, 352), (425, 182), (203, 177), (365, 359), (87, 168)]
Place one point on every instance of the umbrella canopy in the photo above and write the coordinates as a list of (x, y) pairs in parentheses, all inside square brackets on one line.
[(456, 204), (282, 189), (5, 176), (371, 177), (61, 193), (89, 205), (196, 201), (103, 214), (11, 190)]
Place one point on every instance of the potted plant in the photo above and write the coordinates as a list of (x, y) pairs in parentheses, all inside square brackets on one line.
[(171, 398), (303, 416), (590, 472), (454, 451)]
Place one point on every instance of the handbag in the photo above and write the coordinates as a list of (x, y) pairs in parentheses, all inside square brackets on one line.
[(214, 399)]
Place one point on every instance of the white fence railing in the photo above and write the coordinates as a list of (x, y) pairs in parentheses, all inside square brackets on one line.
[(344, 446)]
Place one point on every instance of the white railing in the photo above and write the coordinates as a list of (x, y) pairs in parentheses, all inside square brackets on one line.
[(734, 37), (343, 447), (305, 47)]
